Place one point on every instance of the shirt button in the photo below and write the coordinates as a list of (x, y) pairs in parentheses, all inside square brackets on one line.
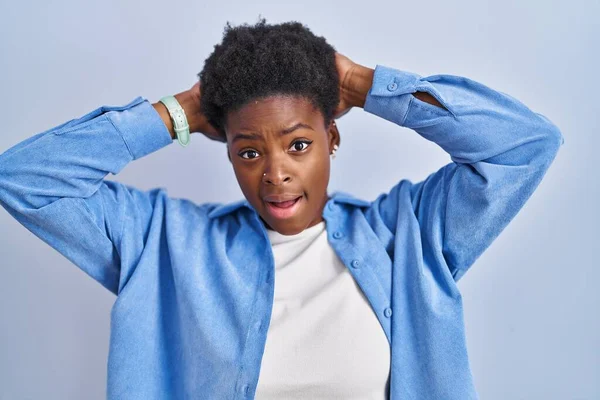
[(258, 325), (355, 264), (387, 312), (246, 389), (331, 206), (392, 86), (337, 234)]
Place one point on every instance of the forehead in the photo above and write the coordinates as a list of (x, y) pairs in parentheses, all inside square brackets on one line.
[(275, 111)]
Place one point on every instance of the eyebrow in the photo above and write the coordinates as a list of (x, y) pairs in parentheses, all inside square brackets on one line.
[(256, 136)]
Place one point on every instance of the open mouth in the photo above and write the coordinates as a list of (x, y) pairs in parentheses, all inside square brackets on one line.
[(284, 209)]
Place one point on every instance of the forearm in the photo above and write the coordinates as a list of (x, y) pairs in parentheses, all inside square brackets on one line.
[(476, 122), (72, 159), (360, 81)]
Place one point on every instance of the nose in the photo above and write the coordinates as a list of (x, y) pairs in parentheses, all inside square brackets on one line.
[(276, 179), (276, 173)]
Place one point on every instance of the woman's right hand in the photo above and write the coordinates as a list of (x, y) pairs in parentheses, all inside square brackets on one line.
[(200, 123)]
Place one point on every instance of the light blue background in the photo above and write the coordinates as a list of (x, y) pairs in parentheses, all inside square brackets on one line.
[(531, 301)]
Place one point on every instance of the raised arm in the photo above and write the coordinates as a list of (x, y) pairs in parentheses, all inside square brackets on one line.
[(53, 184), (500, 150)]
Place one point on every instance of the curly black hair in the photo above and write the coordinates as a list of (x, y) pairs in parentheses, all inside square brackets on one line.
[(263, 60)]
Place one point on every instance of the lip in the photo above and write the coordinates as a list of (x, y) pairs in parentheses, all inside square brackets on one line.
[(281, 197), (283, 213)]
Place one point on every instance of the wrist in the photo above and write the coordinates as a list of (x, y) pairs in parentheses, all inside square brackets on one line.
[(191, 108), (357, 84)]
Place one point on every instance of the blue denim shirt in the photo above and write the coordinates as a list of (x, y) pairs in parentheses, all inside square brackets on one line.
[(194, 282)]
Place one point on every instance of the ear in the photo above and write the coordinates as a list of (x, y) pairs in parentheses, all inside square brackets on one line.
[(334, 135), (228, 155)]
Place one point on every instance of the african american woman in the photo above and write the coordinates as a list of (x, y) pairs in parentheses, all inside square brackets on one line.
[(292, 292)]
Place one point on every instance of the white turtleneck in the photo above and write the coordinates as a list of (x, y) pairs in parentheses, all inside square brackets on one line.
[(324, 340)]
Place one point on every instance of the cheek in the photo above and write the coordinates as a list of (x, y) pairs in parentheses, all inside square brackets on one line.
[(246, 181), (319, 173)]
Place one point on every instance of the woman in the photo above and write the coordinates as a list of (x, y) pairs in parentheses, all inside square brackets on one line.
[(365, 303)]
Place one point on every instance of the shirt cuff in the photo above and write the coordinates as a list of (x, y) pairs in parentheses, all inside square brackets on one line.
[(389, 97), (141, 127)]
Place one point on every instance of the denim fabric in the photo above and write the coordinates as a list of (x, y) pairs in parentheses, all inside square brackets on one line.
[(194, 282)]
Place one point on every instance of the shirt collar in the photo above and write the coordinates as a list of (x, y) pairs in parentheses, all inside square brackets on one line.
[(337, 197)]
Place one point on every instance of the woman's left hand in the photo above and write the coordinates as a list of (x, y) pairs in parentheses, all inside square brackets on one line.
[(355, 82), (345, 67)]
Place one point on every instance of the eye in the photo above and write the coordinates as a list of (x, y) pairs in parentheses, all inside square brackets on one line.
[(300, 142), (252, 154), (249, 152)]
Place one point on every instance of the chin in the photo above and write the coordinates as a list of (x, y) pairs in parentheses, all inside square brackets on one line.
[(286, 228)]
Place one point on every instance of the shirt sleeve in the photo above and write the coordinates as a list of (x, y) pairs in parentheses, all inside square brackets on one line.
[(500, 150), (53, 184)]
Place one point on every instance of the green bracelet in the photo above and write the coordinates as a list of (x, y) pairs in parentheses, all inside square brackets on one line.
[(180, 124)]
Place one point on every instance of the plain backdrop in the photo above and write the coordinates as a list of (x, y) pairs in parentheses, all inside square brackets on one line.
[(531, 300)]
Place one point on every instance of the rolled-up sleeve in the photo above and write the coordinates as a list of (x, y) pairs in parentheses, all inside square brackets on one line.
[(500, 151)]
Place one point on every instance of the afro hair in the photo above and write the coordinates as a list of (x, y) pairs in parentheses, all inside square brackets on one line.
[(263, 60)]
